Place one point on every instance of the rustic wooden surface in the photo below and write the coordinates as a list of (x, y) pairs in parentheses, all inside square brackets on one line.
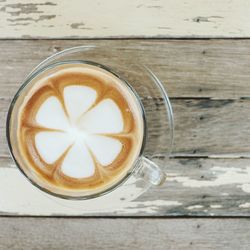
[(209, 173), (207, 80), (195, 187), (208, 83), (112, 18), (158, 234), (200, 128), (215, 69)]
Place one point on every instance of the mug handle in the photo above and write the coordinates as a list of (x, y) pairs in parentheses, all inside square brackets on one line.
[(150, 172)]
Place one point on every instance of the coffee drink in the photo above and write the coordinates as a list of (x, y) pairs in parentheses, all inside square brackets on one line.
[(80, 129)]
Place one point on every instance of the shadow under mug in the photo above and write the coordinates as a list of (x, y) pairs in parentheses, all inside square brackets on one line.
[(158, 116)]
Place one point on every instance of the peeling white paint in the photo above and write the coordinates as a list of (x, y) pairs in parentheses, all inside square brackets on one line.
[(61, 18), (245, 205), (246, 187), (18, 196), (194, 207), (222, 176), (216, 206), (149, 207)]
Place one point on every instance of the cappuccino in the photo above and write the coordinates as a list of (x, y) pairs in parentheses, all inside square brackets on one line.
[(80, 130)]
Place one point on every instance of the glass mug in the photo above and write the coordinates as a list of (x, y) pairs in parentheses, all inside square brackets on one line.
[(158, 123)]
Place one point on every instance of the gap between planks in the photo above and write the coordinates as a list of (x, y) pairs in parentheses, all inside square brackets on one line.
[(127, 38)]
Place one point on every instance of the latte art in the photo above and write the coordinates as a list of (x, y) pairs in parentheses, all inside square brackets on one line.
[(80, 130)]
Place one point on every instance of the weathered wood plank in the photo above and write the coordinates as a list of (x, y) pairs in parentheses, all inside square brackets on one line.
[(150, 18), (221, 72), (195, 187), (217, 69), (121, 234), (202, 128)]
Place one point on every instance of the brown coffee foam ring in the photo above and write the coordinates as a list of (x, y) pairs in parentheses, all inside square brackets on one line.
[(105, 87)]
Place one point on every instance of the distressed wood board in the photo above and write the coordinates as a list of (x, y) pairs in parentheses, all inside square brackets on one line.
[(158, 234), (194, 187), (199, 128), (208, 82), (209, 91), (215, 69), (139, 18)]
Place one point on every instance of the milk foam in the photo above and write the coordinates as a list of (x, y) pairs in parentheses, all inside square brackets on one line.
[(104, 148), (78, 163), (51, 145), (106, 117), (79, 138), (78, 100), (80, 130), (51, 115)]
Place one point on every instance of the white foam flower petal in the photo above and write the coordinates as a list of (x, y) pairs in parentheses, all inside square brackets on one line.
[(78, 99), (78, 162), (51, 115), (106, 117), (51, 145), (104, 148)]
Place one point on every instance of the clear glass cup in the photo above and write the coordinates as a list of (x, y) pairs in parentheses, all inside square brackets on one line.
[(158, 118)]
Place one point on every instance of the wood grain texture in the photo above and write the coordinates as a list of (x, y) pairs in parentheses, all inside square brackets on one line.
[(208, 82), (203, 128), (194, 187), (121, 234), (200, 71), (216, 69), (97, 19)]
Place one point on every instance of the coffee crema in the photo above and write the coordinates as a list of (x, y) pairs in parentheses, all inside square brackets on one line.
[(80, 130)]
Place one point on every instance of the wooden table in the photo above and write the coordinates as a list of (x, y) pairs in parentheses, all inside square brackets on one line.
[(201, 51)]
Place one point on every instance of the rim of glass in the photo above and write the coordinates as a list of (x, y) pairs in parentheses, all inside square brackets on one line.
[(46, 65)]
